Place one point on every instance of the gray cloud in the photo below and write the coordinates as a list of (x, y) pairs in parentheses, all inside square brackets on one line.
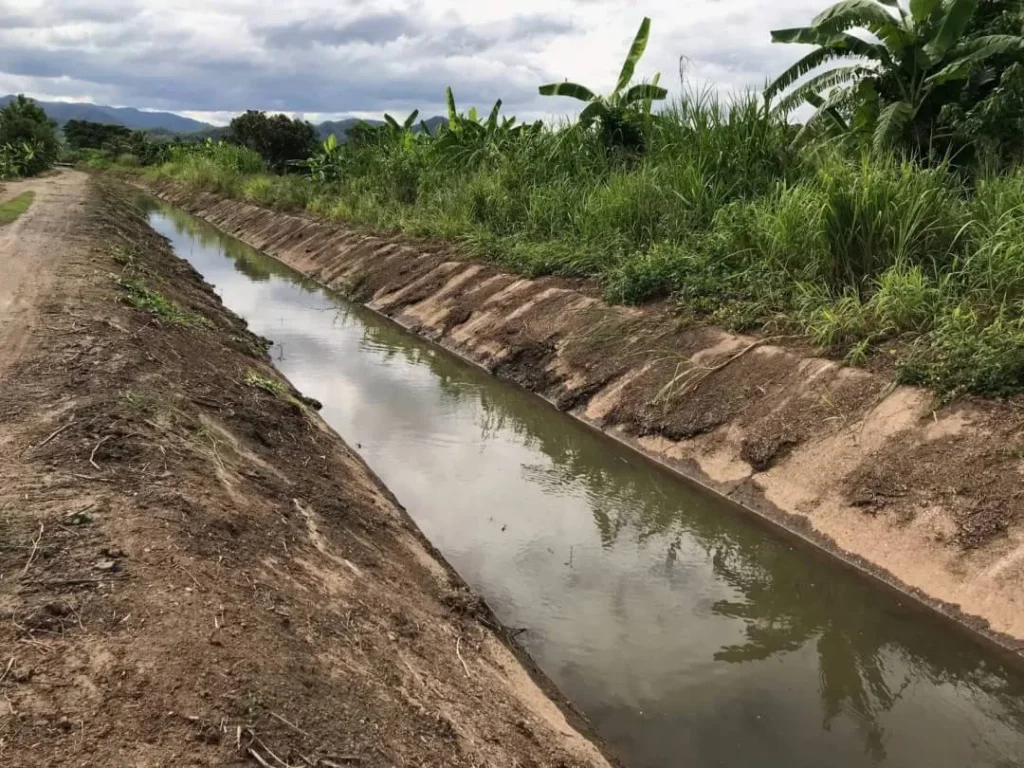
[(52, 12), (374, 28), (361, 56)]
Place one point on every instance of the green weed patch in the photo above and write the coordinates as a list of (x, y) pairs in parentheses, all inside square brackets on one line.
[(141, 296), (12, 209)]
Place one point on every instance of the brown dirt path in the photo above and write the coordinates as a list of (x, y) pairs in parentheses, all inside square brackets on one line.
[(195, 571), (28, 262)]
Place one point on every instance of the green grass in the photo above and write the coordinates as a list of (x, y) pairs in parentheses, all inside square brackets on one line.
[(139, 295), (276, 388), (271, 386), (12, 209), (865, 255)]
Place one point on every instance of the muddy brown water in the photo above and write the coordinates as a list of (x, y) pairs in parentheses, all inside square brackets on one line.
[(688, 634)]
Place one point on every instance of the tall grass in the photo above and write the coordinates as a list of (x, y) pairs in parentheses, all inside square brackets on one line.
[(864, 254)]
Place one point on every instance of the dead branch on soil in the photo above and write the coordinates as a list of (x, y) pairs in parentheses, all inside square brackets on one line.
[(90, 477), (291, 725), (693, 374), (458, 652), (92, 456), (189, 574), (257, 757), (32, 554), (53, 434), (9, 665)]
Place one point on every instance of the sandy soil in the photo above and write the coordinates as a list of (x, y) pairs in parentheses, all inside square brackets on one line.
[(925, 499), (195, 571)]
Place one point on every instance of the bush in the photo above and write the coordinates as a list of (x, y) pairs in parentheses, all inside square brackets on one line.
[(278, 139), (28, 143)]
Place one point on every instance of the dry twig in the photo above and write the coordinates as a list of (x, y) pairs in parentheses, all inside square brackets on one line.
[(9, 665), (257, 757), (189, 574), (290, 724), (32, 554), (54, 434), (92, 456), (458, 652), (694, 373)]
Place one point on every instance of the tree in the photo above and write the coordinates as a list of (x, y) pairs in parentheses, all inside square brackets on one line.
[(621, 112), (900, 66), (25, 127), (280, 140), (83, 134), (988, 115)]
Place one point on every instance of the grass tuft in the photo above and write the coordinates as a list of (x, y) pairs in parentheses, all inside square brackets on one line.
[(259, 381), (138, 295), (12, 209)]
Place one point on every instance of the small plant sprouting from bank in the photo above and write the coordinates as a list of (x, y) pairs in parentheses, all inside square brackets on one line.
[(139, 295), (250, 344), (278, 389), (257, 380), (12, 209)]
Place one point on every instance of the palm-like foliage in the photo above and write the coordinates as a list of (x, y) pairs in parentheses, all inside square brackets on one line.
[(901, 63), (468, 140), (623, 102), (325, 163)]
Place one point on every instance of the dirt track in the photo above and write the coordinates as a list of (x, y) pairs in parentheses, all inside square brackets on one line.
[(28, 260), (927, 500), (195, 570)]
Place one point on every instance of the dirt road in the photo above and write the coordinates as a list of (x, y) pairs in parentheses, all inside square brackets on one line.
[(28, 260), (193, 569)]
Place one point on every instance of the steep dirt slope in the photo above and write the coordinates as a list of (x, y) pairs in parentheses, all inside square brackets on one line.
[(194, 570)]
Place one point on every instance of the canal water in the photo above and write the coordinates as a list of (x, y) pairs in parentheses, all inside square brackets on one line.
[(688, 634)]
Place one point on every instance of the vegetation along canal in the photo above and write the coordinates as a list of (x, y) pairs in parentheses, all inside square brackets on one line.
[(686, 633)]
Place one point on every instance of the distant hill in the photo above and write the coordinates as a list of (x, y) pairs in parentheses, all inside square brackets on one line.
[(340, 127), (62, 111), (169, 124)]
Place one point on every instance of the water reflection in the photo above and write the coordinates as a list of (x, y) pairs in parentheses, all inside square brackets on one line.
[(689, 635)]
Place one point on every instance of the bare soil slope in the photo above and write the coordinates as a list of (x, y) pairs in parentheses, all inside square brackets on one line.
[(194, 570), (928, 500)]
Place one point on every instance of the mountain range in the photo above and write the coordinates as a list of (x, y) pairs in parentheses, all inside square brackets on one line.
[(62, 111), (168, 122)]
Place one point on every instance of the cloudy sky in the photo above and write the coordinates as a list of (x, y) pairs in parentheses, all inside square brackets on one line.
[(212, 58)]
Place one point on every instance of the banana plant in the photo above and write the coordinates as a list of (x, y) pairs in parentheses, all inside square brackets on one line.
[(325, 163), (913, 58), (625, 98), (395, 130), (469, 140)]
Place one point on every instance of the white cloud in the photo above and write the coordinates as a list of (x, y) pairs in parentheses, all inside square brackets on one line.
[(212, 58)]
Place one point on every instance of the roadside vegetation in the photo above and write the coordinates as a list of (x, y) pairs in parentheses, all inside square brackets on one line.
[(13, 208), (888, 226), (28, 141)]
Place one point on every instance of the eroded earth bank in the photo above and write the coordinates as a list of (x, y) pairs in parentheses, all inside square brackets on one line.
[(195, 569), (927, 499)]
